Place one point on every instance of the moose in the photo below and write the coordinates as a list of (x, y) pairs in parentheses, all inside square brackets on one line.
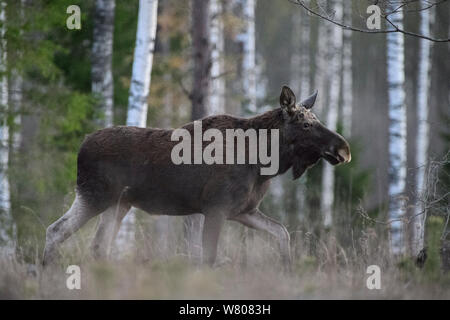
[(123, 167)]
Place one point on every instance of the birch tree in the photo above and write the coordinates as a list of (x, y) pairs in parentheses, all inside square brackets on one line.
[(300, 64), (300, 81), (397, 132), (217, 90), (321, 62), (16, 95), (305, 39), (247, 38), (7, 227), (335, 66), (142, 63), (296, 55), (347, 77), (139, 90), (16, 98), (102, 51), (422, 139)]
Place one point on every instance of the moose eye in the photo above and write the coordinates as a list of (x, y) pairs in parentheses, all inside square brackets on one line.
[(306, 125)]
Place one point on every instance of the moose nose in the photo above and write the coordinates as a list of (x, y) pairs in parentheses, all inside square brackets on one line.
[(344, 152)]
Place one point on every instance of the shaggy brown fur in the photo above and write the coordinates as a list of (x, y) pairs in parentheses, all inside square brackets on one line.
[(130, 166)]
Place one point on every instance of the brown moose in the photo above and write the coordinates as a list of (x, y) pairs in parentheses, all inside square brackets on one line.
[(121, 167)]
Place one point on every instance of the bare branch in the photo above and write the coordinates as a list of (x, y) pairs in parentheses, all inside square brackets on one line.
[(352, 28)]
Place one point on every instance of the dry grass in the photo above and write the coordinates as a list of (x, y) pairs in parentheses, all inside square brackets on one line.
[(331, 273)]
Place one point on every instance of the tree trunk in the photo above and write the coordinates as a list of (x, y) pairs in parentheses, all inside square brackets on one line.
[(327, 196), (347, 76), (292, 191), (296, 55), (164, 225), (102, 51), (321, 71), (217, 90), (139, 90), (305, 39), (16, 96), (142, 64), (299, 80), (15, 99), (199, 95), (201, 57), (397, 134), (248, 41), (7, 226), (422, 138)]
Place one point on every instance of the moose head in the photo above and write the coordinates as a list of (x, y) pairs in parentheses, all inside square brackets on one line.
[(308, 139)]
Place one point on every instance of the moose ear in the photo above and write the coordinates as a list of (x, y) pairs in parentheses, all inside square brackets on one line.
[(308, 103), (287, 99)]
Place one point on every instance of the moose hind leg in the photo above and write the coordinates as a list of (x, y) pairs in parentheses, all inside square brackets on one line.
[(257, 220), (107, 229), (211, 231), (78, 214)]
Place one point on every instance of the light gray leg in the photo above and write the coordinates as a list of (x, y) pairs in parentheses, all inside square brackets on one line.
[(192, 226), (257, 220), (107, 229), (78, 214), (211, 232)]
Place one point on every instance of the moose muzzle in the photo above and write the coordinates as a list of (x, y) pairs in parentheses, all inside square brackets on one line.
[(337, 155)]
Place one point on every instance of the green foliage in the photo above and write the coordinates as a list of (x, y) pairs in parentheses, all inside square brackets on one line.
[(57, 111), (352, 182), (434, 227), (124, 40), (45, 173), (443, 185)]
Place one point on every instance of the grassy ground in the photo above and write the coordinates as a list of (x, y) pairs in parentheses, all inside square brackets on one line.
[(332, 273)]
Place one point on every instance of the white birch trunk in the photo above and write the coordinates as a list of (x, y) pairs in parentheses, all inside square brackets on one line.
[(7, 227), (139, 90), (216, 103), (422, 139), (300, 77), (321, 61), (296, 55), (327, 195), (347, 77), (397, 134), (142, 63), (305, 41), (305, 91), (247, 38), (102, 51), (16, 98)]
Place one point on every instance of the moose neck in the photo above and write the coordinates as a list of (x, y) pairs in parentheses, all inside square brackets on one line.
[(273, 119)]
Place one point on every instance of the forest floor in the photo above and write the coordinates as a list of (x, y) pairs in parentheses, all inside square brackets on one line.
[(176, 279), (259, 276)]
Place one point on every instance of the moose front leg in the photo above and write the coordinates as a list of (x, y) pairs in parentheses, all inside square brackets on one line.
[(211, 231), (257, 220)]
